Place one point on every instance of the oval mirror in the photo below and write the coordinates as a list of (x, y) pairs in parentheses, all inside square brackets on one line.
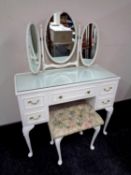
[(89, 44), (60, 37), (33, 48)]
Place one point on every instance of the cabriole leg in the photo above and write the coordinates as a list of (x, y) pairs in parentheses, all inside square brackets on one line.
[(52, 141), (97, 129), (108, 116), (81, 132), (57, 143), (26, 130)]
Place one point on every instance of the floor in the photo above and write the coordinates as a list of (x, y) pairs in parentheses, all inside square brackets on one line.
[(112, 155)]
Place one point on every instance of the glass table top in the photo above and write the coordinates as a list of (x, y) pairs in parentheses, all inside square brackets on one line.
[(59, 77)]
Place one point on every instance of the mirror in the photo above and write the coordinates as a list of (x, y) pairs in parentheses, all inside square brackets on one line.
[(33, 48), (60, 38), (89, 44)]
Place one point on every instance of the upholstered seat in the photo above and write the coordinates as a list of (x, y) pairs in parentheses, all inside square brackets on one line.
[(69, 118)]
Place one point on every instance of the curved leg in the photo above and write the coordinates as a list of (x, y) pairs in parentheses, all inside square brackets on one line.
[(108, 116), (97, 129), (26, 130), (81, 132), (52, 141), (57, 143)]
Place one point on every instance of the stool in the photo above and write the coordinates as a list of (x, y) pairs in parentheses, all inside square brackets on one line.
[(72, 117)]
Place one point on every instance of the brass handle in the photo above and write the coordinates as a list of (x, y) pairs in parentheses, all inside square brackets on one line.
[(33, 103), (107, 89), (106, 102), (88, 92), (35, 118), (60, 97)]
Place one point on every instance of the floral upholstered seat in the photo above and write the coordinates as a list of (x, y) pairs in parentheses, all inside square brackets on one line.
[(69, 118)]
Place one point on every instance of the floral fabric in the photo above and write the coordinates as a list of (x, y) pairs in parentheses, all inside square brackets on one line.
[(69, 118)]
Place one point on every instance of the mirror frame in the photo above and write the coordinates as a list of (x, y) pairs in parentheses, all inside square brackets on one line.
[(31, 54), (74, 47), (80, 46)]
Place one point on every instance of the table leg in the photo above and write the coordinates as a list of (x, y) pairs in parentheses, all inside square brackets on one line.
[(108, 116), (26, 130)]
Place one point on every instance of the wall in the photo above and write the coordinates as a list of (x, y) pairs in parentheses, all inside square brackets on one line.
[(113, 18)]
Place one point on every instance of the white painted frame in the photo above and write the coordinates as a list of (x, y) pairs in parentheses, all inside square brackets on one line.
[(44, 49), (31, 55)]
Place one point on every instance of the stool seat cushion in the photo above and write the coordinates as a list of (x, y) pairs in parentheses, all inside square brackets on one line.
[(69, 118)]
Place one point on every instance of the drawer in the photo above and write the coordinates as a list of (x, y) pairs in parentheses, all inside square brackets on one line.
[(33, 102), (108, 88), (104, 102), (36, 117), (71, 95)]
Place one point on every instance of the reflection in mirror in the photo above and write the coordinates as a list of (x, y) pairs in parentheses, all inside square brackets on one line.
[(61, 77), (60, 37), (89, 44), (33, 48)]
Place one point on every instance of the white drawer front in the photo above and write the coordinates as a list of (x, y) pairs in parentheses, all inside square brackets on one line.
[(33, 102), (104, 102), (71, 95), (36, 117), (108, 88)]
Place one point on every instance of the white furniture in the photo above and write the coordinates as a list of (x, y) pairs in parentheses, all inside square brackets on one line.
[(36, 93), (60, 34), (72, 117)]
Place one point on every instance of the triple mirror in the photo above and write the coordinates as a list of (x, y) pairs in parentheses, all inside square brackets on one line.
[(61, 41)]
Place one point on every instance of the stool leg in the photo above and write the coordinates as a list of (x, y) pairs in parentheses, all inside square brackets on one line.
[(81, 132), (52, 141), (108, 117), (97, 129), (57, 143)]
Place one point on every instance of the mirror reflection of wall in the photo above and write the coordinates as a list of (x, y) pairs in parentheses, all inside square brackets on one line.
[(60, 35), (89, 42)]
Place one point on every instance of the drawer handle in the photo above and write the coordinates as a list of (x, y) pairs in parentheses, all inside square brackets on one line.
[(35, 118), (60, 97), (33, 103), (107, 89), (105, 102), (88, 92)]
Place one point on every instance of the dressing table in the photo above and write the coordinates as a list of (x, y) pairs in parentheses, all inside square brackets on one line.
[(73, 77)]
